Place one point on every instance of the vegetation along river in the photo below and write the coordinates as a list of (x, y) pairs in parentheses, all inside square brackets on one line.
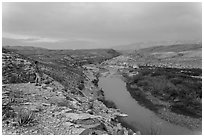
[(139, 117)]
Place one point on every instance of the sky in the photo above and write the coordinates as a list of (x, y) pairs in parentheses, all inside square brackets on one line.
[(98, 25)]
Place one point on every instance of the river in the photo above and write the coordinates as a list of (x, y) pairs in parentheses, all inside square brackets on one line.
[(139, 117)]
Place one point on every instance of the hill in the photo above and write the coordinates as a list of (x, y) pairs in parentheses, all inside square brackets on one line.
[(148, 44), (180, 55), (64, 66), (70, 57), (172, 48)]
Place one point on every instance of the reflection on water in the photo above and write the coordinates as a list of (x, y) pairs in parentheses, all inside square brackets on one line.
[(139, 117)]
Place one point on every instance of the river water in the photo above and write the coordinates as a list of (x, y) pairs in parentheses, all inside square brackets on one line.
[(139, 117)]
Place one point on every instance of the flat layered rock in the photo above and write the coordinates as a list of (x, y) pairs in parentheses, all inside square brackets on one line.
[(82, 116)]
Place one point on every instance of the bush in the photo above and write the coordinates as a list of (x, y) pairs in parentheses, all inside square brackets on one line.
[(25, 116), (176, 81), (8, 112), (137, 78), (170, 84), (143, 83), (81, 86), (95, 82), (109, 104), (154, 131), (146, 72)]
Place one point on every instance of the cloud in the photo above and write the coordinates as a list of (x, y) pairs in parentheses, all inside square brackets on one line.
[(31, 39), (101, 23)]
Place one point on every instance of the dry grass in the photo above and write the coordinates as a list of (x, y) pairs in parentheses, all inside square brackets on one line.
[(25, 116)]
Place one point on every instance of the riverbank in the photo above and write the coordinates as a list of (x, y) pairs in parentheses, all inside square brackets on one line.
[(139, 117), (161, 108), (165, 106), (93, 74)]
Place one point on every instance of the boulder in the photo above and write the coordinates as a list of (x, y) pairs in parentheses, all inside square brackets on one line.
[(44, 86), (120, 114), (68, 124), (50, 88), (77, 131)]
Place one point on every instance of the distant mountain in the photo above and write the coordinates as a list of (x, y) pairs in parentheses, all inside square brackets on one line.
[(24, 48), (142, 45), (172, 48)]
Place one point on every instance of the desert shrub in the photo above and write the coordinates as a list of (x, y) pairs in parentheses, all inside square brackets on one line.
[(176, 81), (109, 104), (63, 103), (193, 72), (157, 72), (140, 96), (137, 78), (25, 116), (145, 72), (135, 93), (13, 79), (100, 95), (8, 112), (157, 85), (170, 93), (81, 86), (192, 109), (95, 82), (154, 131), (130, 127), (143, 83), (171, 84)]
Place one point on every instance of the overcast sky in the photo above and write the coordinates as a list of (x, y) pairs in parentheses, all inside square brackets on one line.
[(99, 25)]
